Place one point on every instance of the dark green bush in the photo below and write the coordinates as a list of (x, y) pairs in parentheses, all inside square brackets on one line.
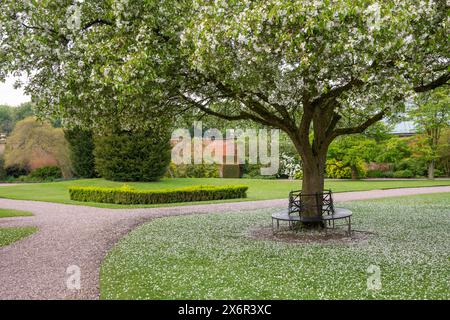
[(417, 166), (193, 171), (251, 170), (374, 174), (379, 174), (231, 171), (81, 152), (403, 174), (16, 171), (127, 195), (45, 174), (2, 168), (438, 173), (388, 174), (131, 156)]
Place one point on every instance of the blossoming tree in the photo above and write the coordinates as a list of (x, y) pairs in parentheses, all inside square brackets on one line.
[(314, 69)]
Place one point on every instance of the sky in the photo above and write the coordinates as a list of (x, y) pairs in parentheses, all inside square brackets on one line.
[(11, 96)]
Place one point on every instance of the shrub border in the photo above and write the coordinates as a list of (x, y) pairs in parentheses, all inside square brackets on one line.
[(127, 195)]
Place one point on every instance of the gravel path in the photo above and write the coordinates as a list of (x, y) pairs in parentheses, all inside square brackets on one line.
[(35, 267)]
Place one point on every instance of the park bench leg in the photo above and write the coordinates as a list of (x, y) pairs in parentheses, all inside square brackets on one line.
[(349, 226)]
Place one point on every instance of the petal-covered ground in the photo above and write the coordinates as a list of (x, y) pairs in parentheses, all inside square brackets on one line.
[(216, 257), (36, 267)]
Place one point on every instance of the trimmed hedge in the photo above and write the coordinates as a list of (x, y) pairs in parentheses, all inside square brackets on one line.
[(128, 195)]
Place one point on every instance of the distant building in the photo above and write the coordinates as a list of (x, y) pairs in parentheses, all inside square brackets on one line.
[(404, 129), (230, 168)]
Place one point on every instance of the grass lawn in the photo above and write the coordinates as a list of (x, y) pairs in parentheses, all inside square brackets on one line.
[(10, 235), (213, 257), (259, 189), (7, 213)]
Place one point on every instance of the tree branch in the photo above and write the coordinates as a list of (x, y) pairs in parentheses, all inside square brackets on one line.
[(359, 129), (202, 107), (96, 22), (442, 80), (336, 92), (334, 120)]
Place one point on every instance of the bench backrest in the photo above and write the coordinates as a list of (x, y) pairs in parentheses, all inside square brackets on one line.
[(321, 203)]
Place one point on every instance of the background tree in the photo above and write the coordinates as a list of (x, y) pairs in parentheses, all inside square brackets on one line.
[(23, 111), (6, 119), (9, 115), (328, 68), (33, 144), (444, 152), (432, 115)]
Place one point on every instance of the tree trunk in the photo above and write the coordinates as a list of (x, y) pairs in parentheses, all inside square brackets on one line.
[(434, 143), (314, 154), (431, 170), (354, 172), (312, 184), (313, 175)]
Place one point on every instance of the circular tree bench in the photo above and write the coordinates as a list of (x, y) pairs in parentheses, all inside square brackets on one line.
[(320, 203)]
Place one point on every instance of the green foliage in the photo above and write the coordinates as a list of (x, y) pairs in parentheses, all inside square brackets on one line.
[(353, 152), (231, 171), (128, 156), (379, 174), (337, 41), (338, 170), (9, 116), (23, 111), (264, 60), (81, 152), (432, 112), (403, 174), (128, 195), (431, 115), (45, 174), (251, 170), (417, 165), (394, 150), (193, 171), (6, 119), (2, 168)]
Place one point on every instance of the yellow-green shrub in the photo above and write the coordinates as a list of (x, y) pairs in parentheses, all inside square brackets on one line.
[(337, 170), (128, 195)]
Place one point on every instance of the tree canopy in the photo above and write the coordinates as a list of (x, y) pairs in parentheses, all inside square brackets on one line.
[(262, 60), (330, 67)]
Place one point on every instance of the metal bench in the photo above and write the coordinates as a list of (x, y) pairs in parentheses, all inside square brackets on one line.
[(320, 203)]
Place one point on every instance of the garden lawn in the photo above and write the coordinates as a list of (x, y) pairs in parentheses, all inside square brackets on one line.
[(213, 257), (259, 189), (10, 235), (8, 213)]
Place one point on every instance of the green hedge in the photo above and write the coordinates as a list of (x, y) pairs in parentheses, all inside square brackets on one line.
[(127, 195)]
